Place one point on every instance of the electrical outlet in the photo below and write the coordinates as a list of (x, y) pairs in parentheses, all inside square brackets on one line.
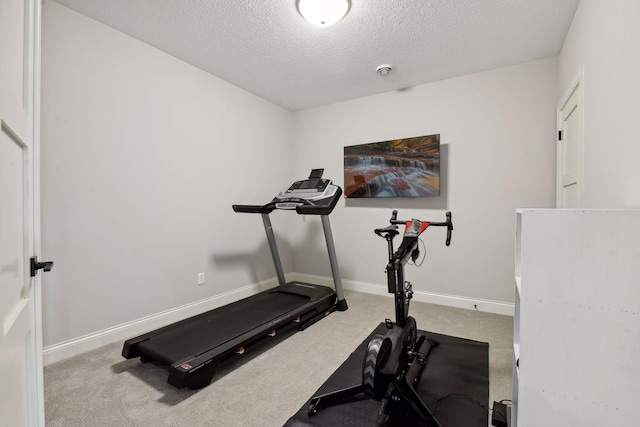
[(200, 278)]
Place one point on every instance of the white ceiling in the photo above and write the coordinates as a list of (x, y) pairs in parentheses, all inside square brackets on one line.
[(267, 48)]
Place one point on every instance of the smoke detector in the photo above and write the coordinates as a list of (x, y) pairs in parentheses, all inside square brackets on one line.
[(384, 69)]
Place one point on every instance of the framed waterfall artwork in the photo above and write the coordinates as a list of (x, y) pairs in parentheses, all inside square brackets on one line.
[(408, 167)]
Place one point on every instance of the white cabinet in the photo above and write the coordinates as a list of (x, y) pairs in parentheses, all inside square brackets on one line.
[(577, 318)]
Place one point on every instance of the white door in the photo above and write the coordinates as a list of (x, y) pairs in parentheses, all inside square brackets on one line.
[(20, 349), (570, 147)]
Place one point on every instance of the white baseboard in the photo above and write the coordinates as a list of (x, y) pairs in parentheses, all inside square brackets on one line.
[(57, 352), (488, 306)]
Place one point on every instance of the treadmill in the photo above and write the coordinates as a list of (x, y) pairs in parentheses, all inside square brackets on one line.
[(192, 348)]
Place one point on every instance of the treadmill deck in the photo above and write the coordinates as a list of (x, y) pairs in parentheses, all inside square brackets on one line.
[(192, 347)]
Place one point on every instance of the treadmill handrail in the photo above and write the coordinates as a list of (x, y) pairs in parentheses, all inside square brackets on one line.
[(269, 207), (261, 209), (321, 209)]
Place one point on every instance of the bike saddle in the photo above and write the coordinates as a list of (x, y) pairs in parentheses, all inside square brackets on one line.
[(391, 230)]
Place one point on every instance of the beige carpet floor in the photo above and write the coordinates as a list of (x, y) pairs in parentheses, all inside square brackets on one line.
[(265, 386)]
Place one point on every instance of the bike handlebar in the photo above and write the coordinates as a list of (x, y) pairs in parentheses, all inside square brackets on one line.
[(448, 223)]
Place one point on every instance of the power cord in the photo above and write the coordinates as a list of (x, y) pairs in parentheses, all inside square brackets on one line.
[(424, 254)]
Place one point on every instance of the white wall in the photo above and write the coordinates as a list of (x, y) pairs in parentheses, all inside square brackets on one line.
[(497, 132), (604, 39), (142, 157)]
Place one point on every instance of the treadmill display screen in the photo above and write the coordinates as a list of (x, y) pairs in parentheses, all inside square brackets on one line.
[(310, 183)]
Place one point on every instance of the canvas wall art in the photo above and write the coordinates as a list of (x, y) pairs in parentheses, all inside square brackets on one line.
[(408, 167)]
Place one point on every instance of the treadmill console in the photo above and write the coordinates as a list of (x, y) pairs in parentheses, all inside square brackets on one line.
[(309, 186), (306, 192), (309, 189), (311, 196)]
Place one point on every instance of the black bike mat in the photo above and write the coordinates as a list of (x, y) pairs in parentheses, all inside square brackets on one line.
[(454, 386)]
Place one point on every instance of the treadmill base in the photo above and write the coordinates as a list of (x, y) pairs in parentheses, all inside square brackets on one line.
[(192, 348)]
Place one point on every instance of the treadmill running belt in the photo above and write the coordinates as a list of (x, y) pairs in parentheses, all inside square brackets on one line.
[(215, 327)]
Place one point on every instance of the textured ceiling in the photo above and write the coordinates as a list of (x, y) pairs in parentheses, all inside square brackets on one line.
[(267, 48)]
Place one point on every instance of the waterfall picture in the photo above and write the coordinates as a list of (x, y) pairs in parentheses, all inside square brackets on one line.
[(408, 167)]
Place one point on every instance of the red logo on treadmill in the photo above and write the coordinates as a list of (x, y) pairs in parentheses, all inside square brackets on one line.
[(186, 366)]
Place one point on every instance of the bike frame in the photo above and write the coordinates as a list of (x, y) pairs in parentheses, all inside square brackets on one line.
[(397, 260)]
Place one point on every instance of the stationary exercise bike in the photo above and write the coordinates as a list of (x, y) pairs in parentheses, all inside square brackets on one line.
[(394, 362)]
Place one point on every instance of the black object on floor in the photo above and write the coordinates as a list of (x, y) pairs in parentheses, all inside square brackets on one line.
[(454, 385), (499, 415)]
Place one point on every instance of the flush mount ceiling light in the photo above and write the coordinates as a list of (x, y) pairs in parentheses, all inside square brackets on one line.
[(323, 13)]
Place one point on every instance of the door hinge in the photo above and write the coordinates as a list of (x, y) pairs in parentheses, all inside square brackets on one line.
[(559, 135)]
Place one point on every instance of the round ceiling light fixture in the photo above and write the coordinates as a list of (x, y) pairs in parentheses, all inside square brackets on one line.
[(323, 13), (384, 69)]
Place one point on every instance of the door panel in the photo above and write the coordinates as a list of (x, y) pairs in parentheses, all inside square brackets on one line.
[(20, 393), (16, 302), (570, 156), (570, 149), (13, 14)]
